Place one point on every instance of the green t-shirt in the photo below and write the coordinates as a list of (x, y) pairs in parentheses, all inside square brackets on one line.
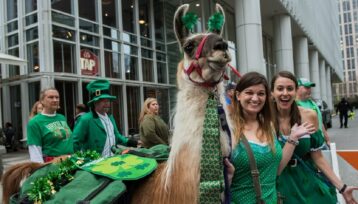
[(51, 133), (313, 106)]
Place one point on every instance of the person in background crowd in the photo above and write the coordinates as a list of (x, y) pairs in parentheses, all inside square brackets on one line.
[(36, 109), (97, 130), (343, 107), (304, 99), (80, 110), (253, 120), (48, 134), (230, 92), (9, 132), (153, 130), (299, 182)]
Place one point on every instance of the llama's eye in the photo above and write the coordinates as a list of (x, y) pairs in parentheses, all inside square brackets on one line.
[(221, 45), (188, 48)]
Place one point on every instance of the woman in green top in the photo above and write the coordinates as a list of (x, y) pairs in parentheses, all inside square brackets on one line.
[(48, 134), (252, 117), (153, 130), (298, 182)]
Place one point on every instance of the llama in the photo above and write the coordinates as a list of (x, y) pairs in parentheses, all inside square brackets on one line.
[(199, 74), (177, 181)]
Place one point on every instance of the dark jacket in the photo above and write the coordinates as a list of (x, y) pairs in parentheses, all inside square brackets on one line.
[(343, 107)]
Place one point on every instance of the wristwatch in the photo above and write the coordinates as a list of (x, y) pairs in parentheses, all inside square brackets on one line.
[(291, 141)]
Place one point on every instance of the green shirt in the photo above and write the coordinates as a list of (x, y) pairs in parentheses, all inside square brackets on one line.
[(242, 188), (309, 104), (153, 131), (51, 133)]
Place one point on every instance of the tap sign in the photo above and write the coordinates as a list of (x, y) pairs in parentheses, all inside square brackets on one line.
[(89, 63)]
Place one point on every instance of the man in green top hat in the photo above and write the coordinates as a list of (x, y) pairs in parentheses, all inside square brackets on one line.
[(97, 130), (304, 99)]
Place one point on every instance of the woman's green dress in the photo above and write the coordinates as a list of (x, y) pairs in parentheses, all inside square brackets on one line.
[(242, 189), (297, 184)]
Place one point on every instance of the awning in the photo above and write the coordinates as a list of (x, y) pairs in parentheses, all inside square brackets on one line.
[(11, 60)]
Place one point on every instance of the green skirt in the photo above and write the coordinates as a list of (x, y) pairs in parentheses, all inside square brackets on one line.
[(301, 185)]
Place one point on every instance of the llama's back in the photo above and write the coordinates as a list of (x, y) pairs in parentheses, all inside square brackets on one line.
[(181, 185)]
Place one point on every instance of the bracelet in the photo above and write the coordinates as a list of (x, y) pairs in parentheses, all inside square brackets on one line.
[(291, 141), (343, 189)]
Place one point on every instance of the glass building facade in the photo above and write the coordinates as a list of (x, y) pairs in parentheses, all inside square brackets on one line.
[(348, 20), (68, 43)]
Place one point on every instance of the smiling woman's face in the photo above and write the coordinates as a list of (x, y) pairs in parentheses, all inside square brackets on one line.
[(284, 93), (252, 99)]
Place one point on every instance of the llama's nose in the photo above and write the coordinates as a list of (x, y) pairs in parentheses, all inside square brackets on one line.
[(221, 45)]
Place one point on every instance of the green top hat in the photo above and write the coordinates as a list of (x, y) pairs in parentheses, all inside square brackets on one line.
[(305, 82), (99, 89)]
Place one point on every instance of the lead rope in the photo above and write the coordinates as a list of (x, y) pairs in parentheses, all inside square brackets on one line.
[(211, 164)]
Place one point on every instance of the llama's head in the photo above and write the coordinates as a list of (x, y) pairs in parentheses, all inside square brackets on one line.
[(206, 55)]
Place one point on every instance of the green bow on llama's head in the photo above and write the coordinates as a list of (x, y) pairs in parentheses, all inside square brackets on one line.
[(185, 21)]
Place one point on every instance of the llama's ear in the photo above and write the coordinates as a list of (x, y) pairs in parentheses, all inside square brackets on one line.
[(217, 20), (181, 32)]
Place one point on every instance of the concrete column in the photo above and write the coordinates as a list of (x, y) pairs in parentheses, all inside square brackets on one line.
[(329, 88), (300, 46), (314, 71), (45, 37), (6, 103), (283, 43), (249, 36), (323, 80), (25, 108)]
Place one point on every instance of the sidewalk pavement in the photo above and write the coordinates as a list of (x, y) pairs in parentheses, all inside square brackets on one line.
[(345, 138), (12, 158)]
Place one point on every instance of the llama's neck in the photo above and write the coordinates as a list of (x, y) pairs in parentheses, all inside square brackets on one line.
[(188, 129)]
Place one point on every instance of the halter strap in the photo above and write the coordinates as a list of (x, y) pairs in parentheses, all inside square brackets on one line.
[(200, 48), (195, 66)]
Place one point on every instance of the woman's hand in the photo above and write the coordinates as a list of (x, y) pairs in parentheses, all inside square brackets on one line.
[(230, 170), (298, 131), (348, 195), (140, 144)]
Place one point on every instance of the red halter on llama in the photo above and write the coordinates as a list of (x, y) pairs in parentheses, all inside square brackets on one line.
[(194, 171)]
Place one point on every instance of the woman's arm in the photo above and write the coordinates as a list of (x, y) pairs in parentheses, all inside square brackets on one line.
[(309, 126), (292, 142), (323, 165)]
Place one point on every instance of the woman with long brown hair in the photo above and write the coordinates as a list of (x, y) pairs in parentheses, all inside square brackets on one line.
[(300, 182)]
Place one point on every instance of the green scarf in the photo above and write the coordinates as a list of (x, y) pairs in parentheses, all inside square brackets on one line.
[(211, 164)]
